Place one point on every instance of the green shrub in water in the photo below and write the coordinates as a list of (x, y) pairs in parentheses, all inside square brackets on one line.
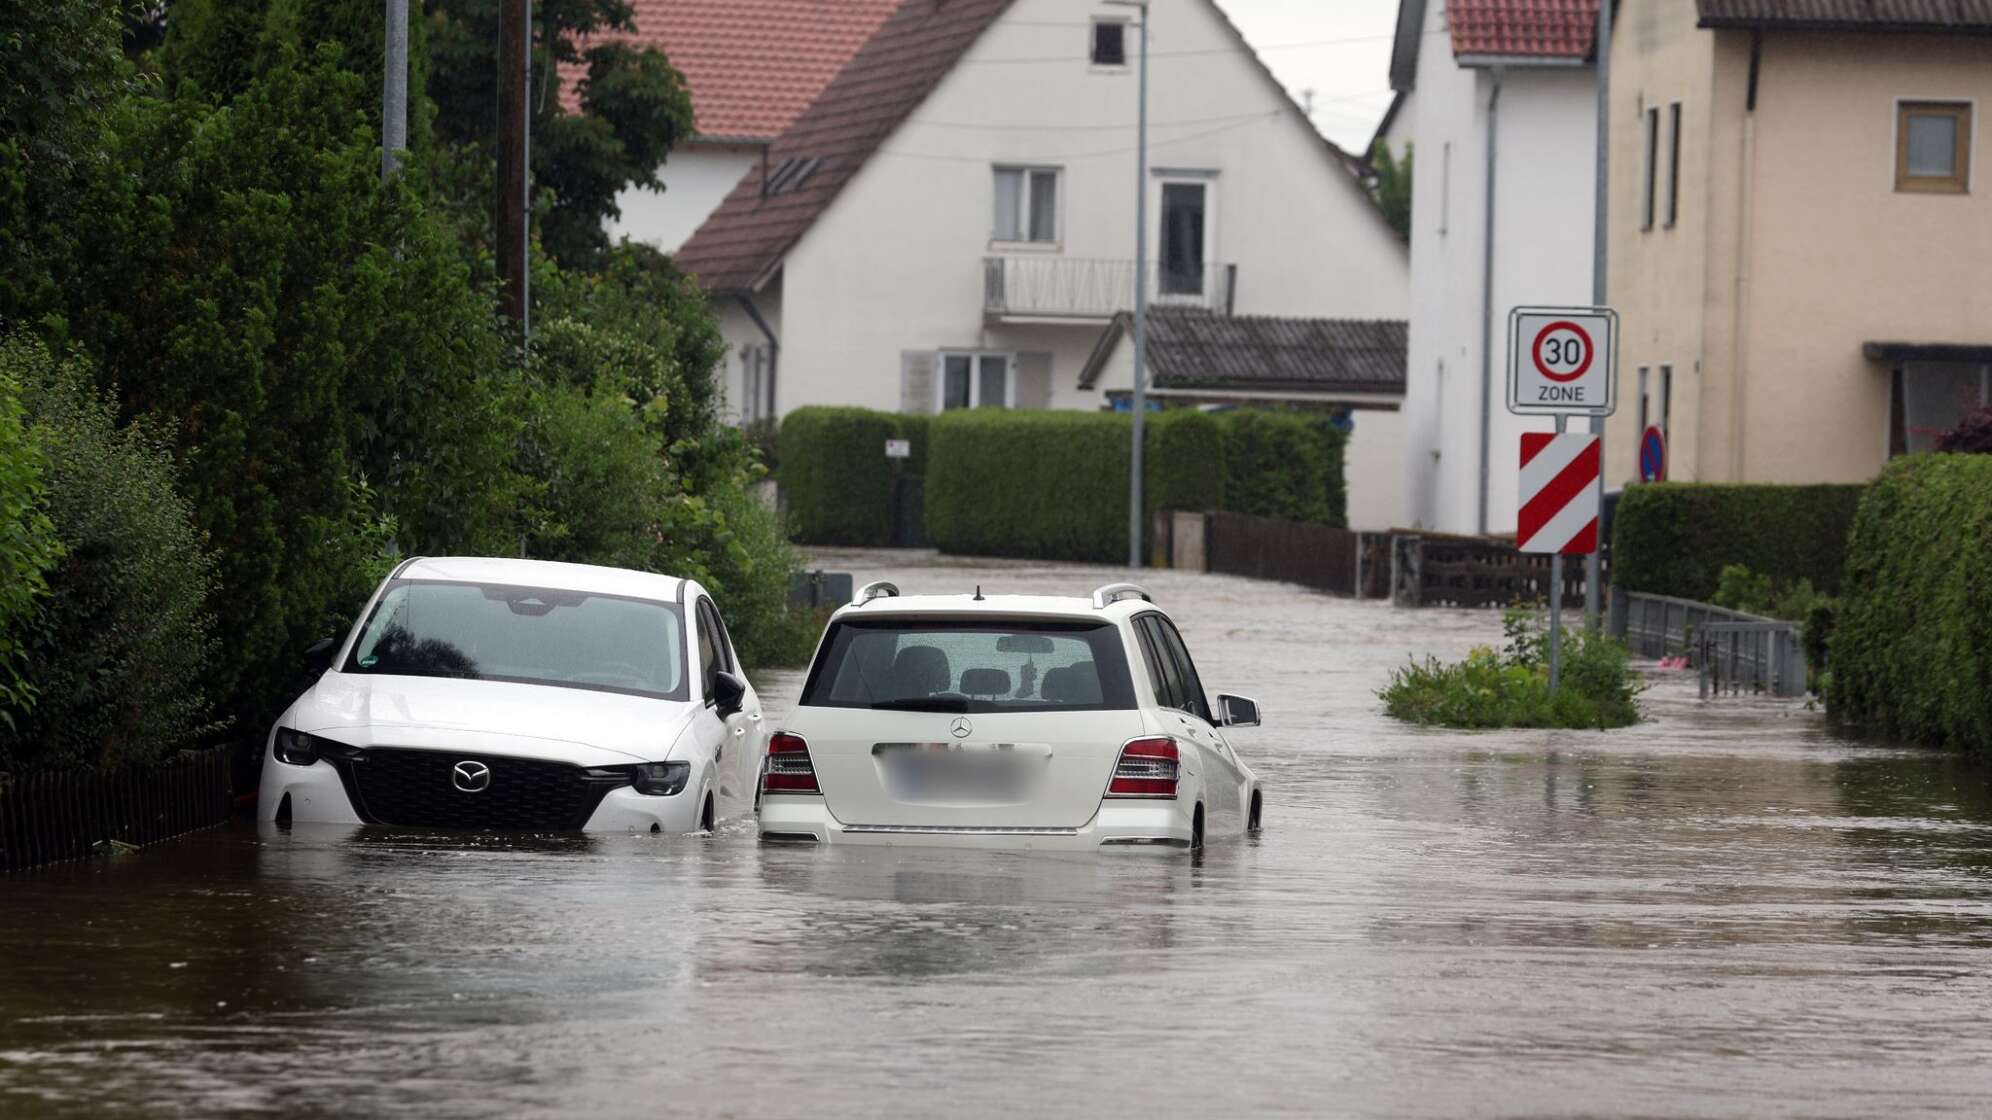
[(1509, 687)]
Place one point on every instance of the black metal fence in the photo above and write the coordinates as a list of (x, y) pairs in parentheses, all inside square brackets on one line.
[(68, 814)]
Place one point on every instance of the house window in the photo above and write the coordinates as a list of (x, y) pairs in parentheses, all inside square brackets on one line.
[(1932, 146), (1026, 204), (1673, 163), (1652, 142), (1928, 399), (1183, 242), (1645, 414), (1667, 401), (970, 380), (1110, 42)]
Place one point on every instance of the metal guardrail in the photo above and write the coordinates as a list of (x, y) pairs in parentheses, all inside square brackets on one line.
[(1762, 655)]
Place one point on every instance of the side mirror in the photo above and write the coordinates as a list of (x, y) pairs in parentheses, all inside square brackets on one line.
[(319, 654), (728, 693), (1237, 711)]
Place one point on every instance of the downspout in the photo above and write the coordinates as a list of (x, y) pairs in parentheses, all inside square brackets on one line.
[(1487, 301), (746, 301), (1746, 223)]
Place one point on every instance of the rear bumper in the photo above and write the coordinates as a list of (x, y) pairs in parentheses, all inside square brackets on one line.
[(1117, 823), (317, 796)]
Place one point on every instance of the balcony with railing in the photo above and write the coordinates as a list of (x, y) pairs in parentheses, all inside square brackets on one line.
[(1050, 288)]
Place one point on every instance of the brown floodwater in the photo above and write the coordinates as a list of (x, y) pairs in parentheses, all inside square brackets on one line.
[(1729, 910)]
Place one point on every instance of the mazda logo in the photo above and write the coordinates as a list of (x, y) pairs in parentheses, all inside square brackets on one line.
[(961, 728), (471, 777)]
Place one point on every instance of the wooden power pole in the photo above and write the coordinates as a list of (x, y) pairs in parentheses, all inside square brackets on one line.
[(514, 72)]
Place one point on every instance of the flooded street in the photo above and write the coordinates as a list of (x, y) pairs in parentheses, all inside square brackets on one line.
[(1724, 911)]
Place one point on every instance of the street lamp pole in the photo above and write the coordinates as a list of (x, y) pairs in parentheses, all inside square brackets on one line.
[(394, 90), (1134, 500)]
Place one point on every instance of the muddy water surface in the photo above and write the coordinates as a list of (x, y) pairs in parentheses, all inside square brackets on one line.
[(1725, 911)]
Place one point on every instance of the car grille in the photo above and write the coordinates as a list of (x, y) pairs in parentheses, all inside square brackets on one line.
[(414, 788)]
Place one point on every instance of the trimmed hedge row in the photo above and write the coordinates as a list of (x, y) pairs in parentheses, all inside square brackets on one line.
[(1674, 538), (1284, 464), (1912, 651), (1053, 485), (836, 480)]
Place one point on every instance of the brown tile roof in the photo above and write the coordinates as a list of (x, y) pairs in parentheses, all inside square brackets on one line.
[(1190, 349), (1523, 28), (885, 81), (753, 66), (1954, 16)]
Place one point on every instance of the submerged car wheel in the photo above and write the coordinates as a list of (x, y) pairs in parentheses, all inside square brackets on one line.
[(1196, 830), (1252, 821), (706, 815)]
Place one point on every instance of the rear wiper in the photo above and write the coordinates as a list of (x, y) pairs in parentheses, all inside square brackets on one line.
[(923, 704)]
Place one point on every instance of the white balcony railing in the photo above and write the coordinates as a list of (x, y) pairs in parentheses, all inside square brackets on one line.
[(1048, 287)]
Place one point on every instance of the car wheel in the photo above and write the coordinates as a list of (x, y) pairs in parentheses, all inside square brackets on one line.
[(1252, 820), (706, 815), (1197, 830)]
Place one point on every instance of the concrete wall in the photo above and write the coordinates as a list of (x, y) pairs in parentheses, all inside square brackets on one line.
[(696, 178), (1799, 249), (895, 263), (1544, 192)]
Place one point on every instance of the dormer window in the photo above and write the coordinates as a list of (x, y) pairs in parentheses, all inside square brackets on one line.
[(1110, 42)]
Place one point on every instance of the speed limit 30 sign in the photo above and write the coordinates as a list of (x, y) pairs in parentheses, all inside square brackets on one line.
[(1563, 361)]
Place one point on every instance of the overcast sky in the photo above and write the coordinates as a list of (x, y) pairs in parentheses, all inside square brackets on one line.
[(1350, 76)]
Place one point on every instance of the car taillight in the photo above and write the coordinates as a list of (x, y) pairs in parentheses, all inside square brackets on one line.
[(1147, 768), (789, 769)]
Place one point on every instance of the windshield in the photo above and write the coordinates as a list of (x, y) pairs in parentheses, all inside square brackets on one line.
[(525, 635), (1017, 665)]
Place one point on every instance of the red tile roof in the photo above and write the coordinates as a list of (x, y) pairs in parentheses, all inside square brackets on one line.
[(753, 66), (884, 82), (1523, 28)]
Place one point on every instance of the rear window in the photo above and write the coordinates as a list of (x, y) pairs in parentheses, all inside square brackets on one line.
[(1016, 665)]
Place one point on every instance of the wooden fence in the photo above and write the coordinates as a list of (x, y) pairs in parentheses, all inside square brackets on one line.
[(1341, 561), (1438, 570), (68, 814)]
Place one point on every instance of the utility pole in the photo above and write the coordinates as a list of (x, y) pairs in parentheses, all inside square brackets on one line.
[(394, 91), (1134, 499), (512, 235), (1599, 230)]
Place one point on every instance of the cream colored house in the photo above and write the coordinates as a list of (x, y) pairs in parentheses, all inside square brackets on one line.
[(1801, 232)]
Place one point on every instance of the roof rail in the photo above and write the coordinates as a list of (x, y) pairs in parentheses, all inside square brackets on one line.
[(874, 590), (1115, 592)]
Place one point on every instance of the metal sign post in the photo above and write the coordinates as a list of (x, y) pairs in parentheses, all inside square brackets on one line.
[(1562, 362)]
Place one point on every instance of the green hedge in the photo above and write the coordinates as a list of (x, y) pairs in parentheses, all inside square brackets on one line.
[(1284, 464), (1674, 538), (1912, 650), (836, 480), (1053, 485)]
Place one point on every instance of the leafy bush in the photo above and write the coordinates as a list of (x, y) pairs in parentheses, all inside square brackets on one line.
[(118, 647), (1510, 687), (1283, 464), (1674, 538), (1053, 485), (28, 543), (1912, 652)]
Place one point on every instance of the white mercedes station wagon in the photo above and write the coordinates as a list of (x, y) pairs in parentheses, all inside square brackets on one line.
[(522, 696), (1007, 721)]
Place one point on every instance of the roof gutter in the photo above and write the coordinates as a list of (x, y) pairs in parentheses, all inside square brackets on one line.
[(1522, 61)]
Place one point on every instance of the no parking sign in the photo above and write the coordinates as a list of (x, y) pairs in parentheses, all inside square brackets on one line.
[(1563, 361)]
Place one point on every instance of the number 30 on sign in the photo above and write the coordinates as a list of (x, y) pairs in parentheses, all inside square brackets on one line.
[(1563, 361)]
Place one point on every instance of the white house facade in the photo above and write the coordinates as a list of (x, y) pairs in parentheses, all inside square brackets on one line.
[(1505, 85), (951, 223)]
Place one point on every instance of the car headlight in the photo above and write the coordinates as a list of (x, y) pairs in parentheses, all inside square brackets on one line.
[(300, 749), (662, 779)]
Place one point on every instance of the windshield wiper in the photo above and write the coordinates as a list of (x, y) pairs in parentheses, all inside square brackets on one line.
[(923, 704)]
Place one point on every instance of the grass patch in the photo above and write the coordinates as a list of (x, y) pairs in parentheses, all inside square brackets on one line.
[(1509, 687)]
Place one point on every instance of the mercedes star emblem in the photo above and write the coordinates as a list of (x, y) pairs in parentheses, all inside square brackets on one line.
[(471, 777), (961, 728)]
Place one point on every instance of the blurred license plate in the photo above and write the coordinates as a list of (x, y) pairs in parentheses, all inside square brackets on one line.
[(993, 773)]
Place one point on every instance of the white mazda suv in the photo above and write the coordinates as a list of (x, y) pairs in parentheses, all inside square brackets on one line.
[(521, 695), (1007, 721)]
